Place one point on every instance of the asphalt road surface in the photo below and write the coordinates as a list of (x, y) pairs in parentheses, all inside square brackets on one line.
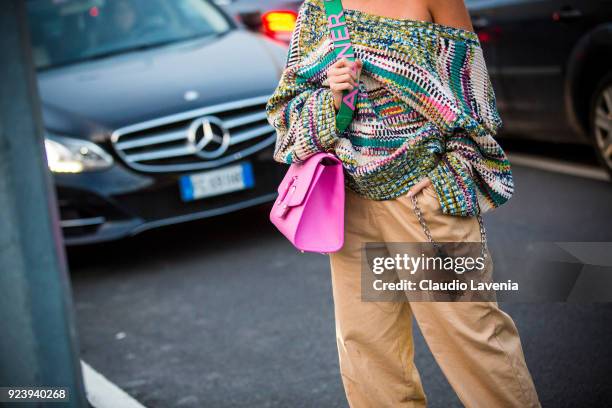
[(225, 313)]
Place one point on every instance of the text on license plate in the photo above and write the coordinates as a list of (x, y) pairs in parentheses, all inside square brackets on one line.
[(216, 182)]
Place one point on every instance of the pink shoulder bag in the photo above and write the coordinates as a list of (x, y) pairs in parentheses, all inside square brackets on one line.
[(309, 209)]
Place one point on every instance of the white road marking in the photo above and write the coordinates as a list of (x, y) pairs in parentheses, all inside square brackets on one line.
[(101, 393), (559, 166)]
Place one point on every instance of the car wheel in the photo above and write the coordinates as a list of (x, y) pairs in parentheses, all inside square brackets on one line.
[(601, 122)]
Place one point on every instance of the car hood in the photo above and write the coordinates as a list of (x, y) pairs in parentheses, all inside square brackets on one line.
[(142, 85)]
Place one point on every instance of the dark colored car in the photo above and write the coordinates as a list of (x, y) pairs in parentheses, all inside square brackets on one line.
[(151, 116), (551, 64)]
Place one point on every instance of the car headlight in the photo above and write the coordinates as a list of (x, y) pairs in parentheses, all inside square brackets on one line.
[(68, 155)]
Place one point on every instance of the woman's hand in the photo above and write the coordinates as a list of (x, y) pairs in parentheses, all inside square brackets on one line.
[(419, 186), (343, 75)]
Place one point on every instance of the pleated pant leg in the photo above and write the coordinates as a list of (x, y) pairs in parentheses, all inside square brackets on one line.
[(476, 344)]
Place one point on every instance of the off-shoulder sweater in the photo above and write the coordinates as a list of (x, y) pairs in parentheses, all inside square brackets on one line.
[(426, 108)]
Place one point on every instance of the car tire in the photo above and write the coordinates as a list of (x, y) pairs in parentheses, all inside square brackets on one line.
[(600, 122)]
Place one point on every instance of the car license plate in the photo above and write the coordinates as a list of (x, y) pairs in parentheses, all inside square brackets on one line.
[(216, 182)]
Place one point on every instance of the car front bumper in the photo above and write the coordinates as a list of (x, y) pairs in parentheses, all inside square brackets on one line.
[(119, 202)]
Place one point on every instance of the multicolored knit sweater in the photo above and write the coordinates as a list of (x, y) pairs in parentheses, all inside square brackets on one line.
[(426, 109)]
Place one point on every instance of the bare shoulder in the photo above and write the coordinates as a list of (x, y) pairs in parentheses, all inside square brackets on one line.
[(452, 13)]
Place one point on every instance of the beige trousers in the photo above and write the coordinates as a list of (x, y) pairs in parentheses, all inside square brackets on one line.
[(475, 343)]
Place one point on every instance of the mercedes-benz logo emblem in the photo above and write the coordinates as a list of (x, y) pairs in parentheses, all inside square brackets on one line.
[(207, 137)]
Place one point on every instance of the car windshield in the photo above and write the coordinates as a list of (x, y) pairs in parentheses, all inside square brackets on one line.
[(68, 31)]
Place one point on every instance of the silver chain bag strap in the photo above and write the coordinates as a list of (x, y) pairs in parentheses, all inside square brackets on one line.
[(419, 214)]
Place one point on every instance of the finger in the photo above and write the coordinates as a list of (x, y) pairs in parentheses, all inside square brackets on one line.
[(341, 87), (359, 67), (423, 183), (342, 62), (346, 70), (352, 83), (344, 78), (418, 187), (414, 191), (342, 71), (334, 70), (335, 81)]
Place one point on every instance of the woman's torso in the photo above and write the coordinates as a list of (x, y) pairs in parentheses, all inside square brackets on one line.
[(390, 144), (416, 86)]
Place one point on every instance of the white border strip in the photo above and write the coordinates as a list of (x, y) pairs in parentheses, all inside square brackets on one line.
[(558, 166), (101, 393)]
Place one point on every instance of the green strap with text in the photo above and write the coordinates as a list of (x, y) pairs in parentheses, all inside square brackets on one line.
[(342, 49)]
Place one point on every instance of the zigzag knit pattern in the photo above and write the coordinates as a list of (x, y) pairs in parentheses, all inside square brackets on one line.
[(426, 109)]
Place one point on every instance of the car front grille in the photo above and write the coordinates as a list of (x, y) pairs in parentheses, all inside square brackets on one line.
[(175, 143)]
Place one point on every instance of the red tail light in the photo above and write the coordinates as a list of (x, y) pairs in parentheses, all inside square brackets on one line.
[(490, 34), (279, 24), (484, 36)]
